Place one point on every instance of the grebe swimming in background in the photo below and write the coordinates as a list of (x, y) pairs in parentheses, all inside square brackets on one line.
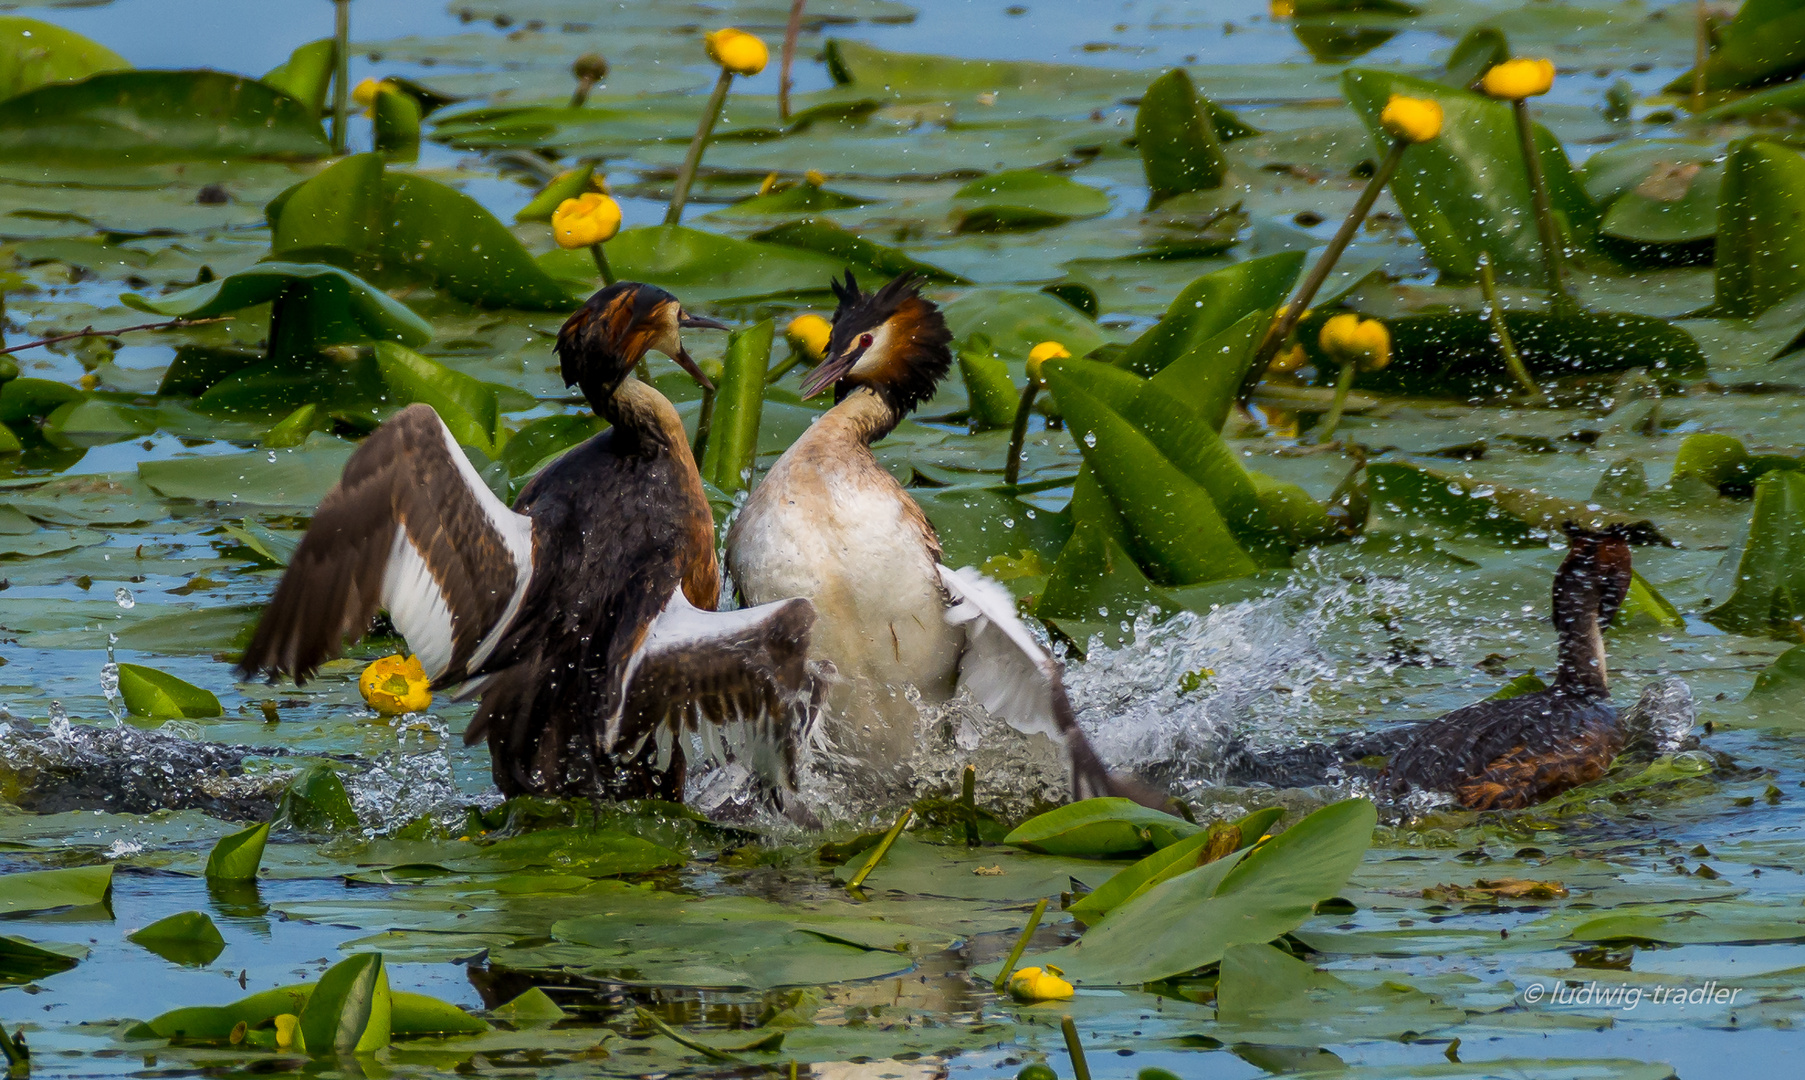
[(829, 523), (1519, 751), (583, 616)]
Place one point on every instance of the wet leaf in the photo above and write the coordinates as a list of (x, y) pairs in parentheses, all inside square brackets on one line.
[(24, 398), (533, 1006), (1211, 306), (1465, 192), (33, 53), (1100, 828), (1176, 140), (1024, 198), (188, 937), (318, 305), (1016, 320), (316, 801), (144, 116), (23, 961), (1764, 43), (732, 449), (236, 857), (1471, 507), (803, 198), (1767, 589), (993, 394), (702, 266), (349, 1008), (1759, 244), (395, 122), (297, 477), (914, 868), (160, 695), (395, 225), (1190, 920), (468, 407), (1288, 1002), (1169, 861), (47, 890), (1745, 926), (829, 238), (306, 75)]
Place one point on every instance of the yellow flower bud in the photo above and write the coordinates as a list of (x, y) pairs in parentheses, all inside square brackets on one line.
[(590, 218), (1040, 354), (1515, 80), (1036, 984), (288, 1032), (815, 177), (364, 93), (1415, 119), (809, 333), (395, 685), (737, 51), (1287, 361), (1348, 337), (1282, 9)]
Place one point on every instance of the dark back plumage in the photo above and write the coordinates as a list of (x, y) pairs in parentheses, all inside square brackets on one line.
[(920, 352)]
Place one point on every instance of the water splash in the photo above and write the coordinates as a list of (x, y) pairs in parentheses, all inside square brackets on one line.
[(400, 787), (1269, 671), (109, 679)]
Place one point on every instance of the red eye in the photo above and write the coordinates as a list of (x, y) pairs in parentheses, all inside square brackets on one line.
[(865, 341)]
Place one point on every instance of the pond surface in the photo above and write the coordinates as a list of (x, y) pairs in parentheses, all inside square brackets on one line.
[(148, 528)]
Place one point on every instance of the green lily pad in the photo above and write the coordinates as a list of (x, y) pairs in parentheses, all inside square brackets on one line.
[(144, 116), (236, 857), (1764, 43), (1191, 920), (349, 1009), (1179, 149), (47, 890), (1472, 507), (1100, 828), (701, 266), (307, 74), (23, 961), (1016, 320), (394, 225), (1760, 244), (828, 238), (1210, 306), (188, 937), (1024, 198), (1465, 192), (33, 53), (1767, 590), (160, 695), (316, 801), (732, 447), (1167, 862)]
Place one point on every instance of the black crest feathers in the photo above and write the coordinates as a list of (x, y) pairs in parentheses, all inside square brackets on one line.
[(600, 343), (917, 353)]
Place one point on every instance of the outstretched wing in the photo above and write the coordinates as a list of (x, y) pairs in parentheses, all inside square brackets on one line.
[(1017, 681), (738, 680), (412, 529)]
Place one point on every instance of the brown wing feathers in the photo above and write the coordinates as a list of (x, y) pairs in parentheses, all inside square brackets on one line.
[(402, 475)]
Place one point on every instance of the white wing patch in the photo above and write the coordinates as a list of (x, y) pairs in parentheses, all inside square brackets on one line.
[(1005, 669), (415, 600)]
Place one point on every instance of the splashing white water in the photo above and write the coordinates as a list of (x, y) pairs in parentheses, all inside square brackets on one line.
[(1269, 671), (400, 787)]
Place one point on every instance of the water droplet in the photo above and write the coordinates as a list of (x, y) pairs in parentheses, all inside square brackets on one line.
[(1090, 439), (124, 598)]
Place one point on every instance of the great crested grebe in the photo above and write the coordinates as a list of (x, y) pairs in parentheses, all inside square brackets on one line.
[(830, 524), (1516, 752), (584, 616)]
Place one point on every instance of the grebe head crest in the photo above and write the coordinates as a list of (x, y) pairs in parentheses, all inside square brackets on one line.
[(893, 341), (614, 330), (1594, 578)]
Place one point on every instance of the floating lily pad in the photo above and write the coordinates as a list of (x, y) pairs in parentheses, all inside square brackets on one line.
[(188, 937), (144, 116), (1024, 198), (160, 695), (47, 890), (33, 53)]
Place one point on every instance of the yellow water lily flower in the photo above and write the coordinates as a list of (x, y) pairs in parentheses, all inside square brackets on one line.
[(364, 93), (810, 333), (1288, 361), (1038, 984), (1349, 338), (1415, 119), (395, 685), (1040, 354), (590, 218), (1517, 79), (737, 51), (288, 1032)]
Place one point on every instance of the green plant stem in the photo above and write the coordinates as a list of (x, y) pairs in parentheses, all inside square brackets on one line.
[(1080, 1067), (783, 368), (704, 421), (968, 803), (1342, 385), (601, 264), (1512, 359), (790, 34), (1701, 55), (882, 849), (1018, 434), (341, 91), (1544, 208), (172, 324), (1015, 954), (1290, 314), (711, 114)]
